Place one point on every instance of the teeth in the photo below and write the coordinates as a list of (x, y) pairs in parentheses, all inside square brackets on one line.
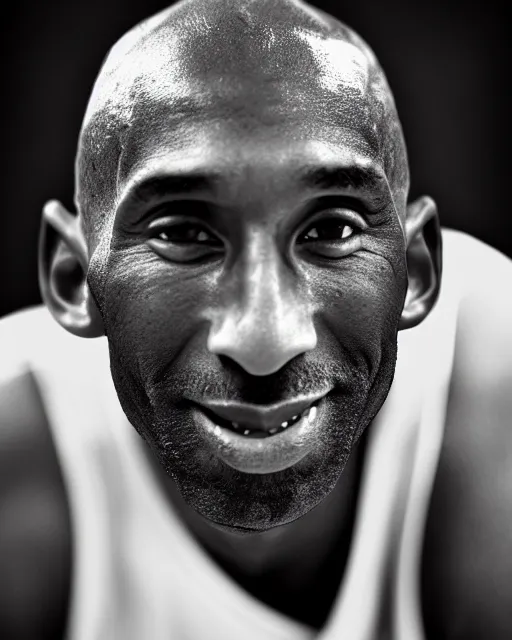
[(309, 414)]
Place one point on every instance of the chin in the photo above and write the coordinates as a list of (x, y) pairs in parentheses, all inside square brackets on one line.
[(244, 502)]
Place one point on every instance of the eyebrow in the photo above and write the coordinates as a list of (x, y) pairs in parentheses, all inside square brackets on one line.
[(171, 184), (366, 179)]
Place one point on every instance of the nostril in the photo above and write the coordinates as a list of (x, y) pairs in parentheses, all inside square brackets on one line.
[(264, 346), (258, 361)]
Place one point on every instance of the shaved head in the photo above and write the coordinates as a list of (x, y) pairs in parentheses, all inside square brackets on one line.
[(221, 57)]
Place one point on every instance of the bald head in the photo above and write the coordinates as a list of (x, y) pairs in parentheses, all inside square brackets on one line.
[(236, 63)]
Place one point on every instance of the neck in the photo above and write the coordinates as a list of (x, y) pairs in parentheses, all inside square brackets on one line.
[(296, 568)]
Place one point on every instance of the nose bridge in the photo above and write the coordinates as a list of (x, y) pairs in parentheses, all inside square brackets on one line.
[(266, 319), (269, 297)]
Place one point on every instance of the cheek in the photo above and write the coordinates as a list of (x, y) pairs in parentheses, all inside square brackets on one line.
[(152, 311), (362, 302)]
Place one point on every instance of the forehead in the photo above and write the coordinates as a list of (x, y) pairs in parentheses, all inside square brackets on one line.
[(270, 91)]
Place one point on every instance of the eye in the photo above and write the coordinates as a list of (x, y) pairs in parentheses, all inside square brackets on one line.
[(183, 241), (332, 237), (183, 233), (328, 230)]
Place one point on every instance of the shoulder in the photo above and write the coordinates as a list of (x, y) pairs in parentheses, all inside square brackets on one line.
[(34, 537), (25, 337), (28, 338), (467, 564)]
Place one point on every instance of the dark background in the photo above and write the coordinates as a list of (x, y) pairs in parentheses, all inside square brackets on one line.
[(445, 60)]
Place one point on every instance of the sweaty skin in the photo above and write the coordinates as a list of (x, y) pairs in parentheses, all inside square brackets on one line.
[(244, 232)]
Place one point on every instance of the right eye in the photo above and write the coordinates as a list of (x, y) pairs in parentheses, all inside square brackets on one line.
[(182, 241), (183, 233)]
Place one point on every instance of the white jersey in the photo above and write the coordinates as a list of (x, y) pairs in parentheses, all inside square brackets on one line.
[(137, 572)]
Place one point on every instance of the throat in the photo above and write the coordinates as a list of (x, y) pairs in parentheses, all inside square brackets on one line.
[(304, 592), (298, 569)]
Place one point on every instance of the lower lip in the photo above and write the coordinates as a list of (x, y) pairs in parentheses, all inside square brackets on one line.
[(262, 455)]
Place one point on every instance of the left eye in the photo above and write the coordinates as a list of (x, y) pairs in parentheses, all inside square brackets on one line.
[(327, 231)]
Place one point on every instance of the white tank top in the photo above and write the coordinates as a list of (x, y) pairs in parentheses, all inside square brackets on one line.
[(139, 575)]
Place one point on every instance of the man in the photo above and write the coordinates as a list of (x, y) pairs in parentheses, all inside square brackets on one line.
[(245, 252)]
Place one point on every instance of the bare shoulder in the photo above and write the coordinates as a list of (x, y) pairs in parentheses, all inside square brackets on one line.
[(467, 562), (35, 541)]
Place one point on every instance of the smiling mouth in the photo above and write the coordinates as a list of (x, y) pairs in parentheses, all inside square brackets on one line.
[(250, 431), (260, 440)]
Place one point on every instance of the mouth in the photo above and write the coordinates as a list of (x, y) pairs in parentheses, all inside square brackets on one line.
[(260, 443), (251, 431)]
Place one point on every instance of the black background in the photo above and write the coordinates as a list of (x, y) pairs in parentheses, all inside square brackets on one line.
[(445, 60)]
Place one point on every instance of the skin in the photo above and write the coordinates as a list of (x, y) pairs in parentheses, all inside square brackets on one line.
[(260, 309)]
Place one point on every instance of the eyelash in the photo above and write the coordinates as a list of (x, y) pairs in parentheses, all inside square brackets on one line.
[(186, 226)]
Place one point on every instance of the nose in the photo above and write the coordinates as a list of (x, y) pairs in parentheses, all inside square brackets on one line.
[(267, 319)]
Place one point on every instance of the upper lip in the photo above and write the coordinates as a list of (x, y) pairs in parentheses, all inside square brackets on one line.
[(260, 416)]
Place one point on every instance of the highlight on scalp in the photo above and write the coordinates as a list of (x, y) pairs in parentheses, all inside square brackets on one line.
[(152, 57)]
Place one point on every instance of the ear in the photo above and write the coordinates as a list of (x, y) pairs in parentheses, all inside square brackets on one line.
[(63, 264), (424, 261)]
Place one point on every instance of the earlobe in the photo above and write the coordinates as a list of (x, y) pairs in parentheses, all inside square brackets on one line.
[(424, 261), (63, 264)]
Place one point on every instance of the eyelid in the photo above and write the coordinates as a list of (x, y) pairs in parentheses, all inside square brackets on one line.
[(175, 221), (174, 208), (179, 220), (186, 255), (349, 216)]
